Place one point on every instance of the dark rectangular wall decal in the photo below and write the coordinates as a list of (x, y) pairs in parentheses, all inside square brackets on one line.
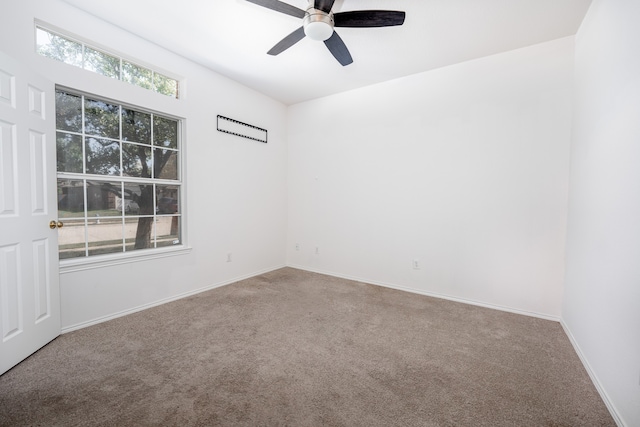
[(234, 127)]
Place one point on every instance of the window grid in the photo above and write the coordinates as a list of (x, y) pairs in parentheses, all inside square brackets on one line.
[(88, 179)]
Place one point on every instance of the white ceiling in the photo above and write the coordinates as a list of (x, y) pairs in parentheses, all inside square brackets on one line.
[(232, 37)]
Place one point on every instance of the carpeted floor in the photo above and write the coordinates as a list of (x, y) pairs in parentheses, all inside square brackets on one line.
[(293, 348)]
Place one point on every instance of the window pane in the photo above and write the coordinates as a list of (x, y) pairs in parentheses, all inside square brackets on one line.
[(165, 164), (69, 152), (70, 198), (167, 231), (101, 200), (101, 63), (143, 195), (136, 126), (165, 85), (167, 199), (71, 239), (68, 112), (139, 233), (57, 47), (103, 156), (102, 119), (136, 160), (138, 199), (105, 236), (165, 132), (137, 75)]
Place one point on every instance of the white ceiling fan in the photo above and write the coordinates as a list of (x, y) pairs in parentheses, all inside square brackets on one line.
[(318, 23)]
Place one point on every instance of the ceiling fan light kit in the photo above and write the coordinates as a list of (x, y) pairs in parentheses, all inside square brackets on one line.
[(318, 23)]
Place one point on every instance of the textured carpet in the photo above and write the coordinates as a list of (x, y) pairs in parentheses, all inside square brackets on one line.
[(293, 348)]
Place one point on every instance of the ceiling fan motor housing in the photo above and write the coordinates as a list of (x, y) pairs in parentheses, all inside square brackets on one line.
[(318, 25)]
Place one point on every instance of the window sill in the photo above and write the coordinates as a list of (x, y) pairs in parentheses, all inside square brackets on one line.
[(100, 261)]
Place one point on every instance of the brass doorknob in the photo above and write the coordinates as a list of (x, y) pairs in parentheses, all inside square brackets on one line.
[(55, 224)]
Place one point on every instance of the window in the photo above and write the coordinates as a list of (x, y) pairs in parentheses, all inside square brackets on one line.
[(119, 184), (82, 55)]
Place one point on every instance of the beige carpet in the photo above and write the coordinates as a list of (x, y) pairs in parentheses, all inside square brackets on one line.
[(293, 348)]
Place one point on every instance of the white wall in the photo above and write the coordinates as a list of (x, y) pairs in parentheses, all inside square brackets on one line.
[(236, 188), (464, 168), (601, 309)]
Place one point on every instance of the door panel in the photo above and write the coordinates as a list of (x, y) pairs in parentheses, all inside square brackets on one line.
[(29, 284), (8, 160), (38, 154), (10, 286)]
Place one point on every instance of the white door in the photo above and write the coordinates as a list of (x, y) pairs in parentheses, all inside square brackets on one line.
[(29, 288)]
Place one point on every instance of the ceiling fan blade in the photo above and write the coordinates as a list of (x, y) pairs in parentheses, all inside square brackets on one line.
[(279, 6), (287, 42), (369, 18), (324, 5), (338, 49)]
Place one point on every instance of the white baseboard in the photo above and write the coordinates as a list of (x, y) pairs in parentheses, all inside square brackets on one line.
[(164, 300), (432, 294), (594, 378)]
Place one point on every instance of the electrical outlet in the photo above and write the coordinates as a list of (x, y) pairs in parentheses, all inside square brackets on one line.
[(416, 264), (297, 246), (229, 257), (317, 250)]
